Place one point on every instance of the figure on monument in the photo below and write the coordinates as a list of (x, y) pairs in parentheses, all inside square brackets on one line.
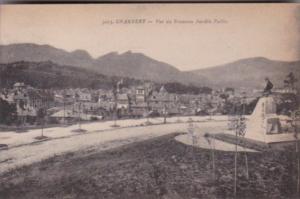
[(268, 87)]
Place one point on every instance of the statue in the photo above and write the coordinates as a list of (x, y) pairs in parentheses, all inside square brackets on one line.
[(268, 87)]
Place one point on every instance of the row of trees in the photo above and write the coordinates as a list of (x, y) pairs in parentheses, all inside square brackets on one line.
[(178, 88)]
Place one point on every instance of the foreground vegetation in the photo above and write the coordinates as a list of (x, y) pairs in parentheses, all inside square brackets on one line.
[(157, 168)]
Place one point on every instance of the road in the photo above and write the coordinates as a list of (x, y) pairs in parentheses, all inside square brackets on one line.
[(23, 149)]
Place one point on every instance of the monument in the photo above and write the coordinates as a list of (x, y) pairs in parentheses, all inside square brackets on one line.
[(266, 126)]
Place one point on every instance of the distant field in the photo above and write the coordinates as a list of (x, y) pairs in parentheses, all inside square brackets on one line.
[(157, 168)]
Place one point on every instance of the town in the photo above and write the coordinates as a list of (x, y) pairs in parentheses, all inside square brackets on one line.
[(26, 104)]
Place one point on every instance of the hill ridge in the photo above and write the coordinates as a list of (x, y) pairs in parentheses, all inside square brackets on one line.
[(247, 72)]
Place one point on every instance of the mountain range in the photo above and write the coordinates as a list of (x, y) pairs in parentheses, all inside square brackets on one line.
[(248, 72), (128, 64)]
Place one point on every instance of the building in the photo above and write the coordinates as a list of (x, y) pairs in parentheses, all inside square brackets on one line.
[(123, 101), (163, 102), (140, 95), (83, 96)]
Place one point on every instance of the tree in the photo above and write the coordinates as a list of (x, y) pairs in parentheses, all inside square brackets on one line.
[(224, 96), (295, 117), (211, 142), (290, 80), (41, 114), (239, 124), (64, 101), (175, 87), (165, 113), (8, 112), (148, 96), (229, 89), (116, 89)]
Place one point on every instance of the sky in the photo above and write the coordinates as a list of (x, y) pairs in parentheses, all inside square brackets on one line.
[(212, 34)]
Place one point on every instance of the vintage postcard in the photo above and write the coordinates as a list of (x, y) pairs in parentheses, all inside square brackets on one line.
[(131, 101)]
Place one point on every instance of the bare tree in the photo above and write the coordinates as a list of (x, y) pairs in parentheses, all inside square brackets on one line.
[(191, 131), (64, 104), (165, 113), (242, 131), (235, 162), (79, 115), (148, 95), (41, 114), (296, 118), (79, 130), (116, 90), (211, 143)]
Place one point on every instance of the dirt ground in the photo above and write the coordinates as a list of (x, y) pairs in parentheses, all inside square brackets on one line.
[(157, 168)]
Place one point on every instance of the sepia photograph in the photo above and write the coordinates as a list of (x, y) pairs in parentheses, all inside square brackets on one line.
[(150, 101)]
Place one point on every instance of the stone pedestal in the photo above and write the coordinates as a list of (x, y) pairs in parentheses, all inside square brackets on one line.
[(264, 124)]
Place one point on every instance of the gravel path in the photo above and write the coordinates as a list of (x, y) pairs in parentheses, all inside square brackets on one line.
[(24, 149)]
